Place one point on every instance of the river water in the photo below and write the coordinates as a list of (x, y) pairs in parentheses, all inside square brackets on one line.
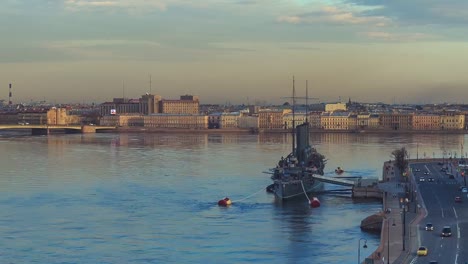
[(151, 198)]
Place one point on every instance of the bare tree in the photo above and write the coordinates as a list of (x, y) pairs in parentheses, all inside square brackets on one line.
[(400, 156)]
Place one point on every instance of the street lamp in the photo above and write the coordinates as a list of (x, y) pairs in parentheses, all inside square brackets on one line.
[(388, 238), (405, 202), (359, 249)]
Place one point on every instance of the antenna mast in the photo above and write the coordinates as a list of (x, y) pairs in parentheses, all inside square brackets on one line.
[(150, 84)]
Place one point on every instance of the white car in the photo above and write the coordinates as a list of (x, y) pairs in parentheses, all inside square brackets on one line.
[(464, 190), (421, 179)]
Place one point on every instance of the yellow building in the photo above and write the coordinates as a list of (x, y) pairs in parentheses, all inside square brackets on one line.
[(336, 107), (335, 121), (452, 121), (186, 121), (374, 121), (187, 104), (229, 120), (426, 122), (362, 121)]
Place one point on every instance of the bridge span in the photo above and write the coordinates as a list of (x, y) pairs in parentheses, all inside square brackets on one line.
[(335, 180), (46, 129)]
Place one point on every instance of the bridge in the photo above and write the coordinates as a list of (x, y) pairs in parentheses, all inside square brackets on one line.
[(45, 129), (334, 180)]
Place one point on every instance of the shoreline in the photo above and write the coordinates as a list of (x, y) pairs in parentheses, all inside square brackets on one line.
[(278, 131)]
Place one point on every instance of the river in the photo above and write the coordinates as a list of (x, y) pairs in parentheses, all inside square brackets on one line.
[(151, 198)]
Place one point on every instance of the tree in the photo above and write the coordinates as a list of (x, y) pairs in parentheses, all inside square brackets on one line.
[(400, 156)]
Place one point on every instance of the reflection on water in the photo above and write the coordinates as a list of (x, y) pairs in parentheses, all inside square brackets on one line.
[(151, 198)]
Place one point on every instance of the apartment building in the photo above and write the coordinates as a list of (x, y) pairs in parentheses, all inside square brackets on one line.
[(426, 121), (271, 118)]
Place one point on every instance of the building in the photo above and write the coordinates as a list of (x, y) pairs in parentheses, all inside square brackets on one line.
[(314, 119), (187, 104), (149, 104), (299, 119), (451, 120), (185, 121), (271, 118), (335, 120), (229, 120), (248, 122), (336, 107), (59, 116), (353, 122), (120, 106), (374, 121), (362, 121), (396, 121), (426, 122)]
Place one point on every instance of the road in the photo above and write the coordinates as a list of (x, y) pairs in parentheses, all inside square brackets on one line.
[(442, 210)]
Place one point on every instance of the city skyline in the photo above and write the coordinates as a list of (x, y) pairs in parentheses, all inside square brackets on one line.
[(234, 51)]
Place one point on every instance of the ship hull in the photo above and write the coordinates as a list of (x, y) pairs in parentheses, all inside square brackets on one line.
[(290, 190)]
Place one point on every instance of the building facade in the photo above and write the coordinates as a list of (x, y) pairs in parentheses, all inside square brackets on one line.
[(271, 118), (187, 104), (426, 122)]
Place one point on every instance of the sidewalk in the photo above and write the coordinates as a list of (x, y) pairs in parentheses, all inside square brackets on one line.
[(397, 225)]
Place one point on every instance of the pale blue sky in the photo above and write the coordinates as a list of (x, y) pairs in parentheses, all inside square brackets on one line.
[(407, 51)]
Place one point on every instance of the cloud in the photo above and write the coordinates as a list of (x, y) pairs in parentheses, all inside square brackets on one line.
[(99, 48), (387, 36), (335, 15), (76, 5), (418, 12)]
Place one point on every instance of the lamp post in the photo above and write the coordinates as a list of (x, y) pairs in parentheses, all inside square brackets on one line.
[(359, 249), (405, 202), (388, 238)]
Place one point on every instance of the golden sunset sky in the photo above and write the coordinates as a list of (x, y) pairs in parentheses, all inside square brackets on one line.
[(236, 51)]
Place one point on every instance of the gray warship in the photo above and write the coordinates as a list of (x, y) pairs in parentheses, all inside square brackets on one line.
[(293, 176)]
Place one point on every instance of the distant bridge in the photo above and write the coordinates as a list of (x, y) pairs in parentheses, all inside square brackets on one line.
[(45, 129)]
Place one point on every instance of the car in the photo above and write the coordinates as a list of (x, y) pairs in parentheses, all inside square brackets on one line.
[(417, 170), (440, 163), (421, 179), (443, 169), (458, 199), (422, 251), (451, 176), (464, 190), (446, 231), (429, 227), (433, 262), (430, 179), (426, 173), (461, 187)]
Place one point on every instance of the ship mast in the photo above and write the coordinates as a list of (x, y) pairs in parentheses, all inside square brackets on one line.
[(307, 104), (294, 120)]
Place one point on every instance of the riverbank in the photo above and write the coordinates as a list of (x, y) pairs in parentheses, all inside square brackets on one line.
[(277, 131)]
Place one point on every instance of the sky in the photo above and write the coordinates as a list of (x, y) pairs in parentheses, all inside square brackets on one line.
[(235, 51)]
